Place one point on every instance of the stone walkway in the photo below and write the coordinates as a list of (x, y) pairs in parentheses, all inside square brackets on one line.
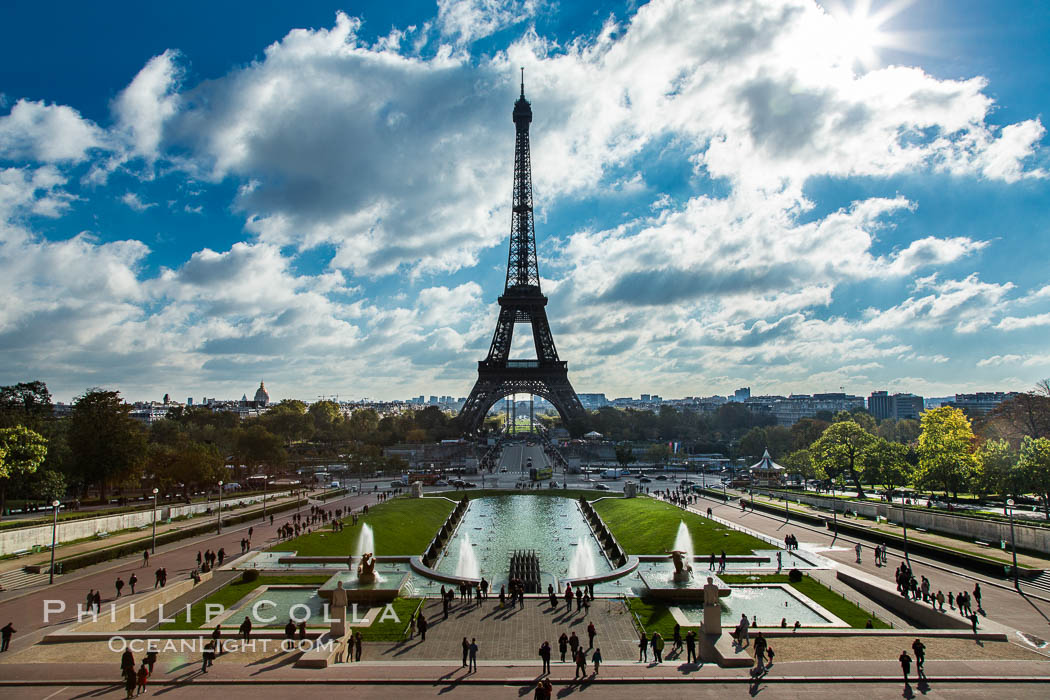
[(513, 633)]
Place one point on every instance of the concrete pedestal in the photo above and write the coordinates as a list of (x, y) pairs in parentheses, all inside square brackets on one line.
[(417, 489)]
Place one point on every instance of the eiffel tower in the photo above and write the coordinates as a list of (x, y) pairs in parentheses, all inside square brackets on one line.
[(522, 302)]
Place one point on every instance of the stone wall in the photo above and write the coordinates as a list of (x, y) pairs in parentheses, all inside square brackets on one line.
[(1036, 539), (14, 540)]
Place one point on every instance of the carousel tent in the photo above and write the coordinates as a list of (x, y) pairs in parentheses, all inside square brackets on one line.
[(766, 472)]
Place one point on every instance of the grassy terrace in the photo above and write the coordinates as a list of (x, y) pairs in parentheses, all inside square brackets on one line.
[(648, 526), (655, 617), (227, 596), (400, 526)]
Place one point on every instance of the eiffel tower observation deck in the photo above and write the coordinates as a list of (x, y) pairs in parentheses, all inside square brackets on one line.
[(522, 302)]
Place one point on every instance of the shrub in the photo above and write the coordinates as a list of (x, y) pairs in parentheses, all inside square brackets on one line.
[(794, 576), (250, 575)]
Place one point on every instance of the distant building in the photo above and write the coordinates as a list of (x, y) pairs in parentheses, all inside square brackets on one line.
[(592, 401), (262, 398), (882, 405), (741, 395), (798, 406), (980, 404)]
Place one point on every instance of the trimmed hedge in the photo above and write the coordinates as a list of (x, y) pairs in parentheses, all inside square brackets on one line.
[(128, 548)]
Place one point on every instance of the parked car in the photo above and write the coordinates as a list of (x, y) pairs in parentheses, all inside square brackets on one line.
[(469, 485), (396, 484), (441, 482), (601, 487), (661, 477), (645, 480)]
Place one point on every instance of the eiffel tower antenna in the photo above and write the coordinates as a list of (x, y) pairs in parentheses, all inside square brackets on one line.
[(522, 302)]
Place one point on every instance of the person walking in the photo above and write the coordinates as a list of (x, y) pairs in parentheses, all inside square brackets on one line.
[(596, 659), (119, 585), (246, 629), (145, 558), (216, 636), (591, 633), (760, 651), (563, 645), (6, 633), (977, 595), (207, 656), (473, 656), (643, 648), (905, 665), (132, 581), (919, 649), (677, 638), (466, 651), (421, 624), (858, 549), (658, 647), (545, 655), (690, 647), (143, 676), (574, 644), (581, 664), (357, 645), (130, 681)]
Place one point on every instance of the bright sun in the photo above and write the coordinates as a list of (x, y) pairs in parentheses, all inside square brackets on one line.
[(859, 29)]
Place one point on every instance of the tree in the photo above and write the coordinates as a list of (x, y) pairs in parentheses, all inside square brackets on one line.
[(801, 462), (624, 455), (49, 485), (886, 463), (258, 447), (840, 449), (658, 453), (805, 432), (778, 441), (996, 469), (22, 451), (1023, 415), (26, 403), (946, 456), (753, 444), (106, 443), (289, 420), (1034, 465)]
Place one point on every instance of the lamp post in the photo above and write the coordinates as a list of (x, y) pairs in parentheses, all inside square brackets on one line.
[(154, 547), (219, 520), (54, 539), (1013, 547), (904, 524)]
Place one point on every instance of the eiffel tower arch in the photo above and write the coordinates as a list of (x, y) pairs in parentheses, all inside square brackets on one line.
[(522, 302)]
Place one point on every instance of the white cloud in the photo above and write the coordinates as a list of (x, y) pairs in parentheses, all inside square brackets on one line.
[(133, 202), (47, 134), (1013, 323), (144, 106), (469, 20)]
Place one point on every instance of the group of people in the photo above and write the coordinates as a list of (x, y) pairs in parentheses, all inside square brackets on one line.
[(583, 598), (119, 584), (920, 588), (135, 679), (919, 649), (571, 643), (790, 542), (209, 559)]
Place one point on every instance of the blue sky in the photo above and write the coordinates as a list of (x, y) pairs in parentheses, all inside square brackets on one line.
[(783, 194)]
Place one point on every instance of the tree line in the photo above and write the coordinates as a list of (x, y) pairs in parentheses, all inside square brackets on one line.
[(99, 449)]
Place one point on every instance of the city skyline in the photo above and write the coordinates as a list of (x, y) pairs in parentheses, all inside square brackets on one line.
[(790, 195)]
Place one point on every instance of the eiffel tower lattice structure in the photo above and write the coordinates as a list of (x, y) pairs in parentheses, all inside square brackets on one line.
[(522, 302)]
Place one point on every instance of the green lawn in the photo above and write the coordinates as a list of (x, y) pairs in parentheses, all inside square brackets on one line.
[(228, 595), (390, 631), (648, 526), (401, 526)]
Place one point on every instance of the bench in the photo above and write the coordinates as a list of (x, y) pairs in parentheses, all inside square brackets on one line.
[(919, 529), (20, 552), (101, 535), (982, 544)]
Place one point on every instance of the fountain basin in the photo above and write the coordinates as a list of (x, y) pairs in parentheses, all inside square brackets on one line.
[(383, 589)]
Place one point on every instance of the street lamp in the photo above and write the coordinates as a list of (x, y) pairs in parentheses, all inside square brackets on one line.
[(220, 508), (54, 539), (155, 492), (904, 524), (1013, 547)]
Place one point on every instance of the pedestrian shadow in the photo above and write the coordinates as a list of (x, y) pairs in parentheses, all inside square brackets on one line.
[(907, 692), (687, 668), (288, 659), (100, 691), (405, 650), (266, 660)]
